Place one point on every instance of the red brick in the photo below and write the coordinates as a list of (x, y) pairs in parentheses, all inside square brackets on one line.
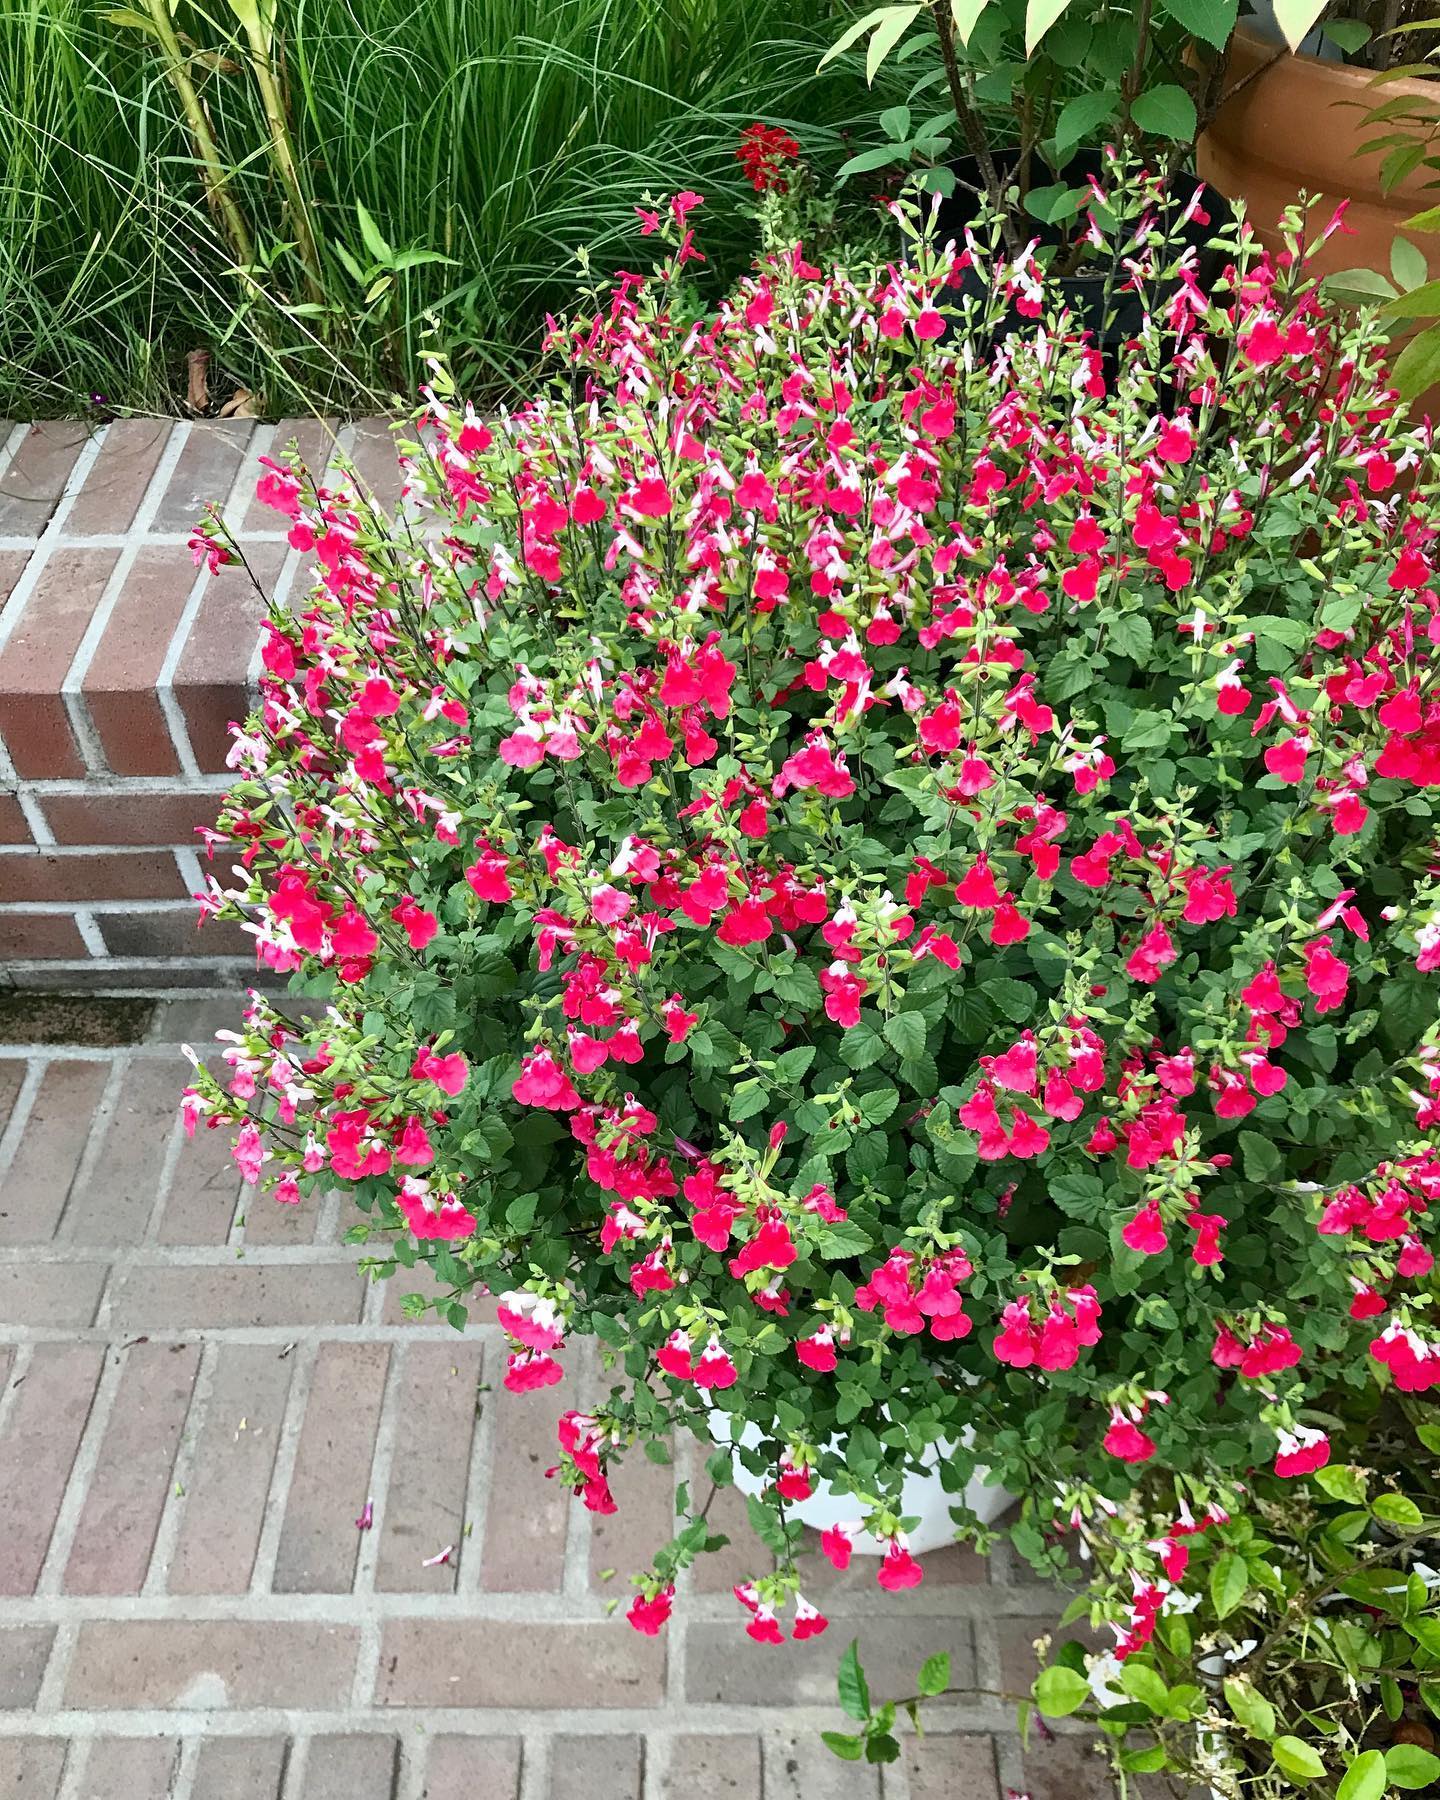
[(24, 1651), (331, 1480), (205, 472), (33, 483), (12, 1078), (1015, 1638), (527, 1517), (270, 1221), (212, 676), (37, 1184), (626, 1540), (61, 1295), (720, 1768), (951, 1768), (30, 1768), (375, 461), (360, 1767), (799, 1767), (204, 1189), (717, 1673), (1068, 1768), (13, 564), (425, 1507), (474, 1768), (220, 1299), (113, 1207), (129, 1769), (110, 498), (595, 1768), (38, 656), (224, 1504), (422, 1280), (46, 876), (119, 686), (508, 1663), (242, 1769), (314, 441), (14, 826), (38, 1445), (172, 931), (168, 816), (133, 1477), (203, 1665), (45, 936)]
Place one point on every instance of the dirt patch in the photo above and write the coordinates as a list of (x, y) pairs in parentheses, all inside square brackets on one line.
[(93, 1021)]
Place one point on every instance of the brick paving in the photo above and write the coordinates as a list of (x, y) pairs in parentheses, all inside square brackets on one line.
[(199, 1393)]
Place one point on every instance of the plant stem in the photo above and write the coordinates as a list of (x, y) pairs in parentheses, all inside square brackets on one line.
[(215, 176), (971, 128), (261, 60)]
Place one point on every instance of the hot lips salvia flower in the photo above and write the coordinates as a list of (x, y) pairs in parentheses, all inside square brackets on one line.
[(881, 865)]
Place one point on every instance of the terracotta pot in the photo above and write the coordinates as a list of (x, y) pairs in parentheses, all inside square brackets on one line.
[(1298, 125)]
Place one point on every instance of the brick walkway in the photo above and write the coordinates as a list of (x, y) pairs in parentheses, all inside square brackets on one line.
[(199, 1394)]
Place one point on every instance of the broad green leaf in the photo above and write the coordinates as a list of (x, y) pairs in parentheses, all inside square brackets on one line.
[(1251, 1710), (1422, 302), (1348, 35), (1262, 1157), (1429, 1436), (841, 1744), (1132, 636), (1040, 15), (1058, 1691), (1295, 1758), (1212, 20), (906, 1033), (1364, 1778), (965, 13), (886, 35), (1429, 220), (934, 1674), (1409, 1766), (854, 33), (1229, 1579), (1396, 1509), (1296, 19), (878, 1104), (370, 234), (1418, 365), (1080, 117), (1143, 1684), (1342, 1483), (1166, 112), (1426, 1633), (1408, 265), (895, 123), (1359, 284), (854, 1689)]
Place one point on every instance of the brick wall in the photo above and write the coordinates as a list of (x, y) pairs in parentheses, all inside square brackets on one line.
[(120, 670)]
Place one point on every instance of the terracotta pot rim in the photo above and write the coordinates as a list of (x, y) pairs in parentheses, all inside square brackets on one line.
[(1318, 71)]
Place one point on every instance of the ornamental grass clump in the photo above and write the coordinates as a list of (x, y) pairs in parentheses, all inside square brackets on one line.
[(877, 856)]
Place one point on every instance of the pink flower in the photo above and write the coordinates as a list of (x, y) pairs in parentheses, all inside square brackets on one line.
[(1302, 1451), (837, 1543), (1145, 1233), (898, 1568), (818, 1350), (647, 1613), (1126, 1440), (527, 1370)]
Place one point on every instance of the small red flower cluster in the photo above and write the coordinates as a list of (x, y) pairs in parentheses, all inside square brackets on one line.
[(763, 152)]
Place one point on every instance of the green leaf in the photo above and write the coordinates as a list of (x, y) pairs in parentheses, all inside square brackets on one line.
[(1426, 1632), (843, 1239), (1131, 635), (1251, 1710), (1143, 1684), (934, 1675), (1396, 1509), (1212, 20), (1167, 112), (882, 1748), (1016, 999), (1058, 1691), (1408, 265), (965, 13), (1295, 1758), (894, 23), (1296, 19), (1342, 1483), (906, 1033), (1358, 284), (854, 1689), (861, 1046), (1148, 731), (1422, 302), (854, 33), (1429, 1436), (1040, 15), (878, 1104), (1418, 365), (1364, 1778), (1348, 35), (1082, 116), (1409, 1766), (375, 244), (1429, 220), (847, 1748), (895, 123), (1229, 1579)]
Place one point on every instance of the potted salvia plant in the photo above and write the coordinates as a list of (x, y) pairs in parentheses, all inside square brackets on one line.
[(879, 869)]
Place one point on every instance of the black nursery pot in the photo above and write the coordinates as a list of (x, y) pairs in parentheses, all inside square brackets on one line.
[(1084, 292)]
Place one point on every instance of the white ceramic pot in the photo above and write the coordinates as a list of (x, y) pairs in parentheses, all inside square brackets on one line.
[(922, 1497)]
